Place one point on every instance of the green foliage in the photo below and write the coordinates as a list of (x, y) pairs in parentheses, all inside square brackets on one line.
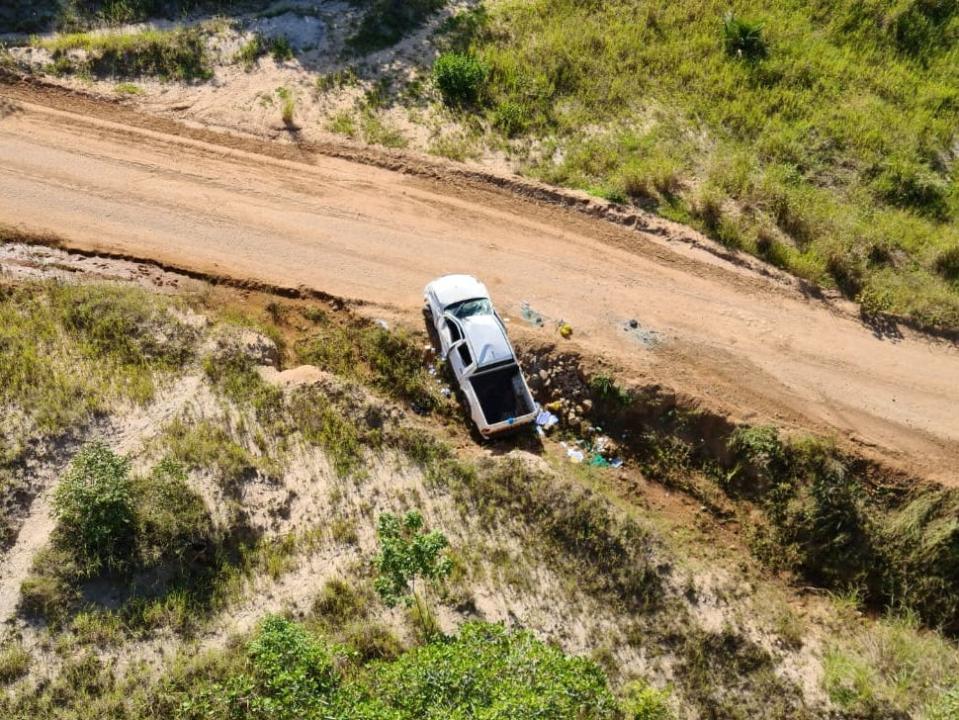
[(178, 54), (893, 665), (947, 264), (291, 668), (280, 49), (642, 702), (207, 445), (94, 508), (70, 351), (606, 389), (460, 80), (339, 603), (946, 707), (484, 672), (407, 553), (743, 38)]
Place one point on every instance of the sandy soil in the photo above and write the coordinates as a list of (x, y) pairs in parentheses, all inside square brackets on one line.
[(744, 342)]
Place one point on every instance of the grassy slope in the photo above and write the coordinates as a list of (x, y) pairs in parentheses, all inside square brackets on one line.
[(832, 157)]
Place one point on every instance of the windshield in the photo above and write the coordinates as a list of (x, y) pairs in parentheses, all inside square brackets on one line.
[(469, 308)]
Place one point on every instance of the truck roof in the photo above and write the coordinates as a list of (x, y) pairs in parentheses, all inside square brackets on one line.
[(451, 289), (487, 339)]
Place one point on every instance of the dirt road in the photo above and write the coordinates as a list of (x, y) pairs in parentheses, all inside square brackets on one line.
[(751, 346)]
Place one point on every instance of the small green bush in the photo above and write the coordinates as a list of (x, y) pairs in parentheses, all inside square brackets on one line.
[(293, 670), (744, 38), (460, 78), (94, 509)]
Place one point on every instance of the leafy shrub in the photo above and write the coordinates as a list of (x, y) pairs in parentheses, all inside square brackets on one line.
[(94, 509), (459, 77), (487, 672), (291, 668), (606, 389), (483, 672), (743, 38)]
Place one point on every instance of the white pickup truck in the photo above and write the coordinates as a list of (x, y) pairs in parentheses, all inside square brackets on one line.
[(473, 341)]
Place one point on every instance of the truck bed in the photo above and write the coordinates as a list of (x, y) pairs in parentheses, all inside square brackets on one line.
[(502, 394)]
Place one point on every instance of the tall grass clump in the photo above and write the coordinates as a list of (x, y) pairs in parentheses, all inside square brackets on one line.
[(179, 54)]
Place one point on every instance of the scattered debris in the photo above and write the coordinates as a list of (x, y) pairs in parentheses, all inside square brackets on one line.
[(546, 419), (531, 316), (647, 338), (383, 324), (566, 330)]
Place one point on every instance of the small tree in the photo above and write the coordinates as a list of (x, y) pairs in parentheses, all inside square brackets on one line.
[(407, 552), (93, 506)]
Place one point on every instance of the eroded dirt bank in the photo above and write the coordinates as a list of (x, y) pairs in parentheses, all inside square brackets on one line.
[(748, 345)]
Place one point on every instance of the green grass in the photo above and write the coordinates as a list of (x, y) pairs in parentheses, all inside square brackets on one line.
[(127, 89), (392, 361), (178, 54), (14, 662), (287, 105), (827, 149), (259, 45), (894, 664)]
